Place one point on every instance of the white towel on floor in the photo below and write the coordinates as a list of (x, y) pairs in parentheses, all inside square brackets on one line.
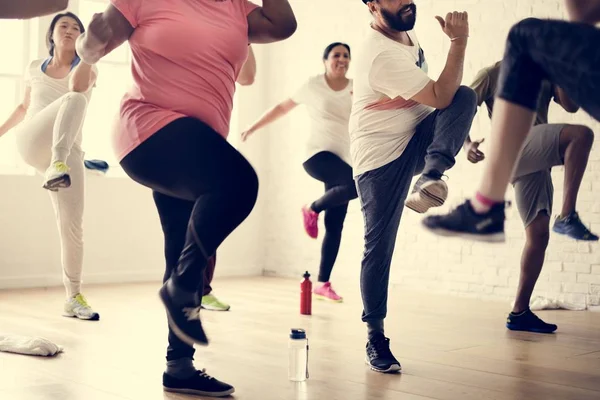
[(544, 303), (35, 346)]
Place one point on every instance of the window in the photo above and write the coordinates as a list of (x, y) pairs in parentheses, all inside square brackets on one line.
[(11, 86)]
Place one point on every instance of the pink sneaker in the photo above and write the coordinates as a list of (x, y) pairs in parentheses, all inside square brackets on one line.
[(326, 292), (311, 222)]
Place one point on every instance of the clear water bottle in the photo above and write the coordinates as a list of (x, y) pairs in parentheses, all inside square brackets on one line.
[(298, 356)]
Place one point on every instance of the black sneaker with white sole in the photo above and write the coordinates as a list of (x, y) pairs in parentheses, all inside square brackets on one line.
[(184, 319), (429, 191), (464, 222), (379, 355), (529, 322), (199, 384)]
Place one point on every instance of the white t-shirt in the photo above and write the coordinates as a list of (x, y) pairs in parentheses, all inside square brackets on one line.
[(44, 89), (383, 118), (329, 111)]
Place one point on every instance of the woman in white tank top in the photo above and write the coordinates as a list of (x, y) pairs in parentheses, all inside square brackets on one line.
[(49, 122), (328, 98)]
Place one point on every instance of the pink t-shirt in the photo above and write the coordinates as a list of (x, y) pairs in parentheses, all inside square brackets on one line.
[(187, 55)]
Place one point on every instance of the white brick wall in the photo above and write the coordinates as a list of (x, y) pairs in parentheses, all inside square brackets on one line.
[(572, 270)]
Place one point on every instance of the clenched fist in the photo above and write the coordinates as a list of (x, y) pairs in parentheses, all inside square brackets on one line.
[(99, 29)]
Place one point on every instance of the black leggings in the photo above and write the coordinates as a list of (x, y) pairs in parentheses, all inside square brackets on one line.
[(564, 53), (339, 190), (199, 180)]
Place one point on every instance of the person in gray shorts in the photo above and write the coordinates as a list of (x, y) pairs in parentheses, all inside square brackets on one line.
[(546, 146)]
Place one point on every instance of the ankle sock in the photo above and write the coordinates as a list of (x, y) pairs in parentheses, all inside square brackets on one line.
[(482, 204), (181, 369)]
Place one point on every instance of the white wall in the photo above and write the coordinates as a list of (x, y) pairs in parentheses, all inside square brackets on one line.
[(572, 270), (123, 239)]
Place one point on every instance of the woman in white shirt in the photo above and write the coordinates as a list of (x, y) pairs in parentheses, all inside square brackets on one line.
[(49, 121), (328, 98)]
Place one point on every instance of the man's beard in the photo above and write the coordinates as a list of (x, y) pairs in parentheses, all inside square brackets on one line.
[(398, 22)]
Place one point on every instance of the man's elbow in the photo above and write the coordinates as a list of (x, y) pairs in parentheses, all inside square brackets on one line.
[(246, 81), (59, 5), (285, 29)]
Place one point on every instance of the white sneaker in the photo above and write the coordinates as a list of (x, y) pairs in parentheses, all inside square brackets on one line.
[(77, 307), (57, 176), (427, 193)]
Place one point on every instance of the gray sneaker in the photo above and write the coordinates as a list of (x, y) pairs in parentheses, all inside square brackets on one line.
[(428, 192)]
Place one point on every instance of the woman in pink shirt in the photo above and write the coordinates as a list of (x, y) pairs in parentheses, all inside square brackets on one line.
[(187, 55)]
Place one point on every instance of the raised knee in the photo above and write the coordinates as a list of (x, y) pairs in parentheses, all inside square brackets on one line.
[(77, 99), (522, 27), (579, 136), (586, 135), (467, 96), (247, 189)]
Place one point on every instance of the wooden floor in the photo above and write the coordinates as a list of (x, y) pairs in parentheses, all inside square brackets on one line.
[(450, 348)]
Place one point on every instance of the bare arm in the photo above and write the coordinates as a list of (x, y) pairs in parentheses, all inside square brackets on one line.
[(17, 115), (82, 79), (248, 72), (439, 94), (270, 116), (586, 11), (272, 22), (30, 8), (561, 98), (106, 32)]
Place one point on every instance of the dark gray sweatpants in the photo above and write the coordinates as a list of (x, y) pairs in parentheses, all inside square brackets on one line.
[(382, 193)]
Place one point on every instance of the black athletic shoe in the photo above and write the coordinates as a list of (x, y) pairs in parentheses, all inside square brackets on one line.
[(199, 384), (184, 320), (464, 222), (529, 322), (379, 356), (429, 191)]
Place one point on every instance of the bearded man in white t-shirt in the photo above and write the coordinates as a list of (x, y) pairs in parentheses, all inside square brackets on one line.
[(403, 123)]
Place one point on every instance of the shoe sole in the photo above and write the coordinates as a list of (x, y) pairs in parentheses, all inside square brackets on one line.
[(209, 308), (572, 237), (199, 392), (499, 237), (325, 298), (61, 182), (304, 212), (530, 330), (178, 332), (431, 194), (393, 369), (95, 317)]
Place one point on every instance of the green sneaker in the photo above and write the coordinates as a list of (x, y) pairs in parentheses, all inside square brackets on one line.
[(77, 307), (210, 302)]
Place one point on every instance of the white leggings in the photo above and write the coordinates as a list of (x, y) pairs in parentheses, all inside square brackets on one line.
[(54, 134)]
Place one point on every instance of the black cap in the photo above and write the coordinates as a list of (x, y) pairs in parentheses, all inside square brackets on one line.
[(306, 275), (298, 334), (366, 1)]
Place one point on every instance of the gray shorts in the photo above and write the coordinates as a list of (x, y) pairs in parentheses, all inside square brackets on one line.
[(532, 180)]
